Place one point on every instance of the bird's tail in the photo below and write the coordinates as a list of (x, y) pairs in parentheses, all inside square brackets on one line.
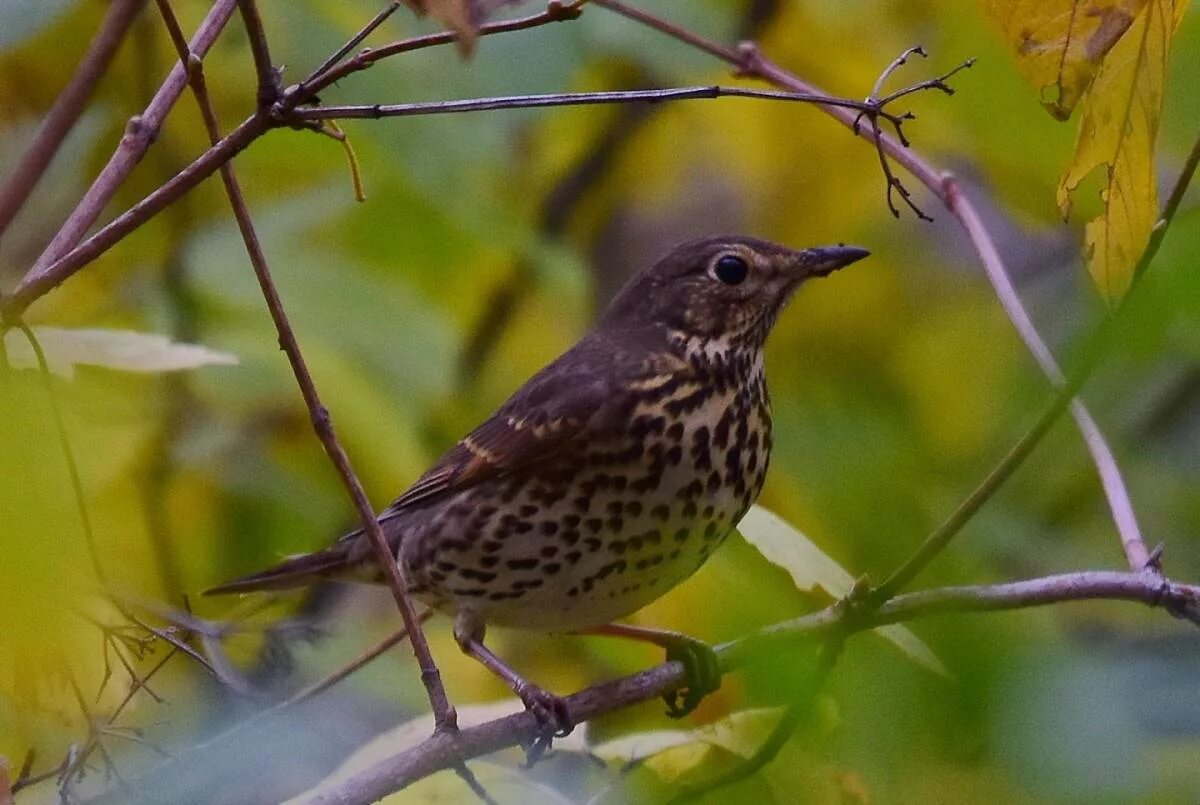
[(301, 570)]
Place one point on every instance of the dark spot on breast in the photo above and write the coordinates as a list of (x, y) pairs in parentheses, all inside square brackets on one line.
[(469, 592), (570, 536), (689, 510), (571, 557), (490, 560), (614, 507), (675, 432), (647, 483), (522, 564), (591, 544), (710, 531), (593, 524), (477, 575), (660, 512), (681, 535), (615, 524), (550, 568), (674, 455), (583, 503), (491, 545), (549, 527), (549, 551), (714, 482), (633, 508), (617, 546)]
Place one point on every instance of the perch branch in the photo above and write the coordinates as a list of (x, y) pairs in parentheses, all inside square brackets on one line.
[(444, 750)]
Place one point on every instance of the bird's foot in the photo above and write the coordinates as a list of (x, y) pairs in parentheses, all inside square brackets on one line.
[(702, 674), (553, 717)]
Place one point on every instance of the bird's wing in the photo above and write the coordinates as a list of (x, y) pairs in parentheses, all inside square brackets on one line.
[(569, 399)]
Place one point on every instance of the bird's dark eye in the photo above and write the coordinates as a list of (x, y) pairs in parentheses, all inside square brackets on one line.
[(731, 269)]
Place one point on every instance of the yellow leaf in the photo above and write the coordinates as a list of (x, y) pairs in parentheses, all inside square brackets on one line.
[(1059, 44), (1117, 132)]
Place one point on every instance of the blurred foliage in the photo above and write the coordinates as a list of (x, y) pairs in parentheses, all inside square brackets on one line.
[(896, 385)]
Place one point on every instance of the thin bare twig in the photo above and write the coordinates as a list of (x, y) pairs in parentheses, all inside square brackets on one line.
[(63, 258), (67, 108), (326, 76), (353, 42), (268, 78), (322, 424), (60, 428), (372, 111)]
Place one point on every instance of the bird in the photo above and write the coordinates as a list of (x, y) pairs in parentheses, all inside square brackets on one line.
[(608, 478)]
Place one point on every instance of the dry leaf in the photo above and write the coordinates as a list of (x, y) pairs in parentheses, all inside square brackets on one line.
[(1117, 132), (1059, 44), (461, 16)]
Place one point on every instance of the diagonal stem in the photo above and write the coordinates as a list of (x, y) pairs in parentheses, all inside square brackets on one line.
[(67, 108), (430, 675), (140, 132)]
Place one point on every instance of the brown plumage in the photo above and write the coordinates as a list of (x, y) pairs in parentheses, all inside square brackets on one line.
[(610, 476)]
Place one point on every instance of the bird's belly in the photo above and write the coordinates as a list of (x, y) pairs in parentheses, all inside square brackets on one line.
[(597, 538)]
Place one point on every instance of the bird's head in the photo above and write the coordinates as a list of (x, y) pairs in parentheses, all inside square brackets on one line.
[(727, 289)]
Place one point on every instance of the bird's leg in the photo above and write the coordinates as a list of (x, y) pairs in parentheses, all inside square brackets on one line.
[(701, 668), (551, 711)]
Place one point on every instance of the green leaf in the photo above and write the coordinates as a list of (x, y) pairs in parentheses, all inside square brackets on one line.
[(113, 349), (1117, 133), (812, 570), (741, 733)]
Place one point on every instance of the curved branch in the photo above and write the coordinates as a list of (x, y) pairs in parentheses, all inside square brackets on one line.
[(749, 61), (444, 750)]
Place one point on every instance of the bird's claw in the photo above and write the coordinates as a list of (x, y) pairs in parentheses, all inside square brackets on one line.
[(553, 717), (702, 674)]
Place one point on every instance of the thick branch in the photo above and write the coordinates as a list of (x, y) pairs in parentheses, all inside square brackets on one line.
[(67, 108), (444, 750)]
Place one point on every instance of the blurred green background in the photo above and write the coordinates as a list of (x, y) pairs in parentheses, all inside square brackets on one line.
[(485, 246)]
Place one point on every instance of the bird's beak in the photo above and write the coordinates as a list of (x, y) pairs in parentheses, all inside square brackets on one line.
[(824, 260)]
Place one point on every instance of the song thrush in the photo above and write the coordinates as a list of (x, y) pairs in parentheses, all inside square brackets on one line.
[(609, 477)]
